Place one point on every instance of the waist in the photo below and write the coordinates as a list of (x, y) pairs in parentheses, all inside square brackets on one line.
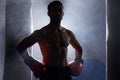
[(56, 63), (55, 67)]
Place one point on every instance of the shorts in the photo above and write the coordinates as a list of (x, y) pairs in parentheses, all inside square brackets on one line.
[(51, 72), (56, 73)]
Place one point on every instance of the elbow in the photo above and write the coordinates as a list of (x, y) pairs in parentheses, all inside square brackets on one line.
[(79, 50), (20, 48)]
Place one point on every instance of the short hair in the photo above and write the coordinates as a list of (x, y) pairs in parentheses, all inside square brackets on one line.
[(50, 6)]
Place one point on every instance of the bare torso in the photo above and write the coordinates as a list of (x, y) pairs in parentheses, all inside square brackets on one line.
[(53, 46)]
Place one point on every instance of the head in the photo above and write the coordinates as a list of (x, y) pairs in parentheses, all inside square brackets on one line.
[(55, 10)]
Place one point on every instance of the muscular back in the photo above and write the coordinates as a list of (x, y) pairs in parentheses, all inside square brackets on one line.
[(53, 46)]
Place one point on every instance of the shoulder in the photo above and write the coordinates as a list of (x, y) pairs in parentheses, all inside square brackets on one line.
[(68, 31), (70, 34), (40, 31)]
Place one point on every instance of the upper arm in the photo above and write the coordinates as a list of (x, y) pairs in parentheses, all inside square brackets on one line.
[(28, 41), (74, 42)]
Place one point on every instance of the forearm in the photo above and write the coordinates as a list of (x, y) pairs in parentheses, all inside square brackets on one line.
[(22, 50), (24, 54), (78, 52), (78, 56), (28, 60), (37, 67), (79, 59)]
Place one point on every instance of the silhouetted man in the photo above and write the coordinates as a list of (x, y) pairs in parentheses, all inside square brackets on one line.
[(53, 40)]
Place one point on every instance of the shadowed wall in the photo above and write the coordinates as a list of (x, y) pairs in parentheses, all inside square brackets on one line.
[(2, 36), (113, 43), (18, 25)]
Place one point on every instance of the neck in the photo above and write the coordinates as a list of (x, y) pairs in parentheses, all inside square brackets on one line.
[(55, 24)]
